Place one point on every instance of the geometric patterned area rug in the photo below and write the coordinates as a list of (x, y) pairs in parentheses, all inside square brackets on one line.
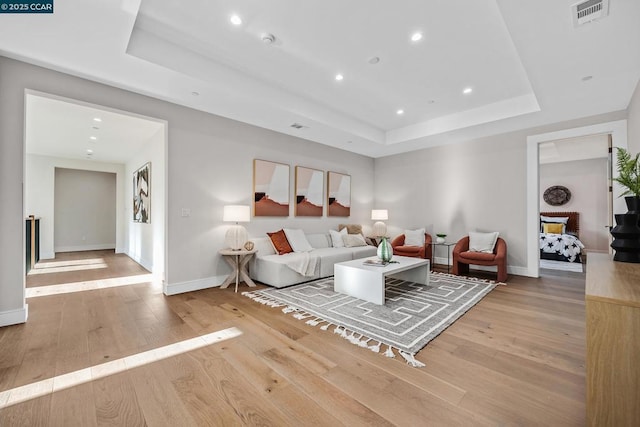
[(413, 314)]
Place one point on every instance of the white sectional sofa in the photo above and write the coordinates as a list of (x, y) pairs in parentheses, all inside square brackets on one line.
[(271, 269)]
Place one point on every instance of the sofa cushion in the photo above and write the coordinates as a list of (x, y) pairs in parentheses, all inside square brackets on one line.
[(280, 242), (329, 256), (297, 240), (336, 237), (319, 240), (477, 256), (351, 228), (352, 240), (363, 251)]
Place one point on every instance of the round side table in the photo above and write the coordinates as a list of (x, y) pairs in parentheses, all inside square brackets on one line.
[(238, 260)]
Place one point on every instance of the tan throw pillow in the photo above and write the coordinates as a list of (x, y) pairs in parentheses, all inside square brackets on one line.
[(280, 242), (353, 240), (351, 228)]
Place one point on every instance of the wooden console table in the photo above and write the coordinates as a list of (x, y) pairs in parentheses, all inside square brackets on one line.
[(238, 261), (613, 342)]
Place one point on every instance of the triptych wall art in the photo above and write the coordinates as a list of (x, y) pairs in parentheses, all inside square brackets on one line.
[(271, 191)]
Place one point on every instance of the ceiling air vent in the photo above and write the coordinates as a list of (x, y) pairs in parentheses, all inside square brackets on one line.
[(298, 126), (588, 11)]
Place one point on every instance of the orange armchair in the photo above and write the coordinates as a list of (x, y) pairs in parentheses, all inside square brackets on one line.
[(423, 251), (462, 258)]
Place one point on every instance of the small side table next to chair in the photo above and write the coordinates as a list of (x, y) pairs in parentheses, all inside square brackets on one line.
[(238, 260)]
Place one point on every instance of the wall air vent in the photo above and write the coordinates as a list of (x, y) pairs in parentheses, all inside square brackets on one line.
[(298, 126), (588, 11)]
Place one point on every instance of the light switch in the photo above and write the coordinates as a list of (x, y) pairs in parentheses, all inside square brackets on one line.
[(186, 212)]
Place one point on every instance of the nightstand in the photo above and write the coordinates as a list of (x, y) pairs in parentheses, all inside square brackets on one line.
[(238, 260)]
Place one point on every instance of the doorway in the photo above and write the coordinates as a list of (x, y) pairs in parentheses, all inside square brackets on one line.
[(618, 132), (64, 134)]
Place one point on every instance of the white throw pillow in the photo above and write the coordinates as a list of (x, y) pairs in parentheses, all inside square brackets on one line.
[(414, 237), (336, 237), (353, 240), (482, 242), (297, 240)]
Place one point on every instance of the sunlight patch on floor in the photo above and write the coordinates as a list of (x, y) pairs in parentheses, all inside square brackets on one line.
[(72, 379), (90, 285), (50, 264), (66, 268)]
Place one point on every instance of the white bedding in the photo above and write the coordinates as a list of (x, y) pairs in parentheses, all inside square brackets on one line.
[(566, 245)]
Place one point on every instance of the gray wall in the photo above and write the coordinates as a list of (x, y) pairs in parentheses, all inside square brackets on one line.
[(84, 210)]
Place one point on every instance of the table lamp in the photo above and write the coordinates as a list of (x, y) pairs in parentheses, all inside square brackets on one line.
[(236, 235), (379, 228)]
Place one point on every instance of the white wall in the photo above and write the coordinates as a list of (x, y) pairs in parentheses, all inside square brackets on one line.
[(145, 242), (587, 181), (475, 185), (209, 165), (84, 210), (633, 123), (40, 191)]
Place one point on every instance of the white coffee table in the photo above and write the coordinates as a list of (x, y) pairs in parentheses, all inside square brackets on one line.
[(366, 282)]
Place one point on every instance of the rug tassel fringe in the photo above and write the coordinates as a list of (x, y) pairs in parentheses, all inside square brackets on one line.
[(325, 327), (313, 322), (364, 343), (301, 316), (375, 348), (411, 360), (289, 309), (389, 352)]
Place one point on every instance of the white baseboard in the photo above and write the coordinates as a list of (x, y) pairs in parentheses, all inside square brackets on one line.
[(146, 263), (48, 255), (121, 251), (518, 271), (85, 247), (14, 317), (193, 285)]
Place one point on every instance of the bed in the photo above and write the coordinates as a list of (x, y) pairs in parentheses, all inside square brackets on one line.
[(559, 236)]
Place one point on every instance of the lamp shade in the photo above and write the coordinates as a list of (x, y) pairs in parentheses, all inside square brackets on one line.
[(236, 213), (379, 214)]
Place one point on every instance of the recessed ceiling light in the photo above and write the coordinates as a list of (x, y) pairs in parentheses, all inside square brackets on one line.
[(400, 112), (194, 93), (417, 36), (431, 101), (467, 90), (93, 138), (339, 77), (349, 142), (95, 127), (89, 151), (235, 20), (587, 78), (374, 60), (97, 119)]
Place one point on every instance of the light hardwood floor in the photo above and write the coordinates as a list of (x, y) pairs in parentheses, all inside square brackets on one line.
[(516, 358)]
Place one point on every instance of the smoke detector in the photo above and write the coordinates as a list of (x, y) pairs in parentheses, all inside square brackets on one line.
[(268, 38), (587, 11)]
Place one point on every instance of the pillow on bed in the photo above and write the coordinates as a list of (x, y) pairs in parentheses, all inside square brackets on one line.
[(562, 219), (564, 227), (482, 242), (280, 243), (554, 220), (556, 228)]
